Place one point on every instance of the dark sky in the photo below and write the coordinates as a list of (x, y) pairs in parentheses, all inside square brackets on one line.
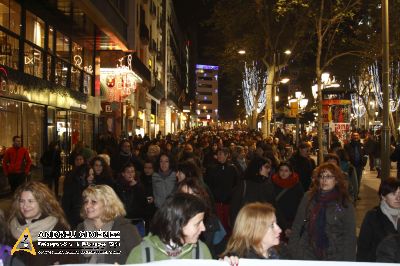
[(191, 16)]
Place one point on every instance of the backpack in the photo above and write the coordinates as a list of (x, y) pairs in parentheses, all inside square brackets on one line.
[(148, 251)]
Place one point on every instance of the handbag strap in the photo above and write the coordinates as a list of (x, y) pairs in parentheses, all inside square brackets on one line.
[(279, 196)]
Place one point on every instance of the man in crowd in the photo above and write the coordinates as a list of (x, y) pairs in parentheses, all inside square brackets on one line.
[(16, 163)]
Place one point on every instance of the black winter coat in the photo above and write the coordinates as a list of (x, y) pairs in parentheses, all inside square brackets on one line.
[(389, 250), (222, 179), (133, 198), (304, 167), (72, 197), (257, 190), (289, 201), (375, 227)]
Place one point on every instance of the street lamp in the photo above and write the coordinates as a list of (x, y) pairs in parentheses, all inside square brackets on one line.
[(301, 104), (323, 81), (242, 52)]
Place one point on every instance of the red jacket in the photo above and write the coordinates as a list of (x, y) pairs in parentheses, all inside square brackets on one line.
[(16, 161)]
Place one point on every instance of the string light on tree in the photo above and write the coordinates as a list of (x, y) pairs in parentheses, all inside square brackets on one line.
[(394, 99), (254, 82)]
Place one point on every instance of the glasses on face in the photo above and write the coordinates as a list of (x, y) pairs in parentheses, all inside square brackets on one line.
[(327, 177)]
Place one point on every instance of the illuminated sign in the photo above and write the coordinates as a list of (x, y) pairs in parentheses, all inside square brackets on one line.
[(207, 67), (120, 81)]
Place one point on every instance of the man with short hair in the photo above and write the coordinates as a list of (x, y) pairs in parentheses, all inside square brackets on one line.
[(222, 178), (16, 164), (356, 152)]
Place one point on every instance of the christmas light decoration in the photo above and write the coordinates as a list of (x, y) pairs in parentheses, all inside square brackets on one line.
[(254, 82), (362, 86), (394, 99)]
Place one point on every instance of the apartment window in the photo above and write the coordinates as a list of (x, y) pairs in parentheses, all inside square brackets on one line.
[(33, 61), (62, 46), (10, 15), (61, 73), (35, 29), (9, 47), (50, 44)]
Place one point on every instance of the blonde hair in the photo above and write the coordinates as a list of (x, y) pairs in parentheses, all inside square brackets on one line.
[(48, 204), (251, 225), (113, 207)]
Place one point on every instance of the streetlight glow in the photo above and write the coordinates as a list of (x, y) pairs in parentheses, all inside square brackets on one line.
[(288, 52), (285, 80), (241, 52)]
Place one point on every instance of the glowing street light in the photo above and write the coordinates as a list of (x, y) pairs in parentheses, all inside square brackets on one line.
[(242, 52), (287, 52)]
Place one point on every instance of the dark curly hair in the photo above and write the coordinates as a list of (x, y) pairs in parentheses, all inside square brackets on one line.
[(341, 182)]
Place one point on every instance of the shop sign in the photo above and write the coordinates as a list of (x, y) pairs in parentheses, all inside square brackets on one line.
[(341, 130), (121, 81)]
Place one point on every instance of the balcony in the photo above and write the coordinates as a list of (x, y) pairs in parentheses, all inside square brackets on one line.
[(153, 47), (157, 91), (144, 34)]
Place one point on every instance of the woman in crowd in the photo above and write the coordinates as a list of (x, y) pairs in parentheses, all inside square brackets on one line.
[(256, 186), (324, 227), (131, 192), (102, 172), (174, 232), (288, 193), (348, 168), (381, 221), (255, 233), (35, 207), (74, 184), (214, 234), (164, 179), (102, 210)]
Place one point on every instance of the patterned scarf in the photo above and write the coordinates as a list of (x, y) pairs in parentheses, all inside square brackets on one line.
[(316, 228)]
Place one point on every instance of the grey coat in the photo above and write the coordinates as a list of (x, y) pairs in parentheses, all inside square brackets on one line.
[(340, 229), (163, 187)]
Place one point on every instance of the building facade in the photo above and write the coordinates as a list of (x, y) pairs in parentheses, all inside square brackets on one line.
[(207, 94)]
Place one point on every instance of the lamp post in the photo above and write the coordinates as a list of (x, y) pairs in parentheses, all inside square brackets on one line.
[(323, 81), (301, 104)]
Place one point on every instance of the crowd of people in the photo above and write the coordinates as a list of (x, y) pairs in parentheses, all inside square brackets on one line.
[(205, 194)]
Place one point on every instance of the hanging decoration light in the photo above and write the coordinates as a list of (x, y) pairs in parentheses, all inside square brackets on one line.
[(362, 86), (394, 97), (254, 82)]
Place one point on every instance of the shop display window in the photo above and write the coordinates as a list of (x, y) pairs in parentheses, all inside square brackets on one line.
[(33, 61), (9, 47), (77, 53), (32, 126), (26, 120), (35, 29), (10, 121), (10, 15)]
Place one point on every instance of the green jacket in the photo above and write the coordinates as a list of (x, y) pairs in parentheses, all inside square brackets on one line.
[(157, 252)]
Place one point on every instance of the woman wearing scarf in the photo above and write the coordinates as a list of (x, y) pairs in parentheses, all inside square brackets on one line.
[(36, 208), (288, 193), (324, 227), (381, 221), (163, 180)]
